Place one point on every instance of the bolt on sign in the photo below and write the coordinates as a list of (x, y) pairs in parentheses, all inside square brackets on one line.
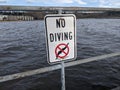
[(60, 37)]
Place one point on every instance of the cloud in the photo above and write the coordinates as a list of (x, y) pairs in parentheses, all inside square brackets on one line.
[(94, 1), (109, 3), (3, 1), (57, 1), (81, 2), (50, 1)]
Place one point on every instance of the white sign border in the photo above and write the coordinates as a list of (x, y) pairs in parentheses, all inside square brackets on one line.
[(46, 37)]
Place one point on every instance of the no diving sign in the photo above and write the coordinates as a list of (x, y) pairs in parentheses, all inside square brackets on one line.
[(61, 37)]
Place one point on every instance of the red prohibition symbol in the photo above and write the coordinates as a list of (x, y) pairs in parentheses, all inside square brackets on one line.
[(62, 50)]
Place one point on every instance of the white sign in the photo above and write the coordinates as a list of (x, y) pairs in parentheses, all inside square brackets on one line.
[(61, 37)]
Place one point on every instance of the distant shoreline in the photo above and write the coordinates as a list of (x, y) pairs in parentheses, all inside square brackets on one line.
[(16, 13), (77, 18)]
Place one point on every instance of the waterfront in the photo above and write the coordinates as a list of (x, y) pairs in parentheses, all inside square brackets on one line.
[(22, 48)]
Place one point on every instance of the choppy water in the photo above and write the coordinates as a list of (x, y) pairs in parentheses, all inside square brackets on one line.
[(22, 48)]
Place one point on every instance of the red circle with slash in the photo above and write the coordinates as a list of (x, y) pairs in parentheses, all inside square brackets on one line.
[(61, 50)]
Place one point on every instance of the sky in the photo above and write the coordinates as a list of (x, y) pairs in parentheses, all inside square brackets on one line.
[(67, 3)]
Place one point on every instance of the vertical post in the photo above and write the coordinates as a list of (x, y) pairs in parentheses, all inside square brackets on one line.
[(62, 66), (63, 75)]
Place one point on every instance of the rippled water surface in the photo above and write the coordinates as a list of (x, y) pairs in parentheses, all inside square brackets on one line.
[(22, 48)]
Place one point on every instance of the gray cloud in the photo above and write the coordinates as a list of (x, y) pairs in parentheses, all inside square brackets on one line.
[(3, 1), (58, 1), (109, 3)]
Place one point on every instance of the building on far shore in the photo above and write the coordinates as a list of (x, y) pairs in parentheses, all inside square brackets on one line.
[(2, 17), (15, 18)]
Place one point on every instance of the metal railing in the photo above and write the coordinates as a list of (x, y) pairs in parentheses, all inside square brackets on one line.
[(55, 67)]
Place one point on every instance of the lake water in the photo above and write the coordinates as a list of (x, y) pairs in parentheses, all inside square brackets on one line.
[(22, 48)]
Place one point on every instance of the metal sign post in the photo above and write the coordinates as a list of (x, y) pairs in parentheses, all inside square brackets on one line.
[(62, 66), (63, 75)]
